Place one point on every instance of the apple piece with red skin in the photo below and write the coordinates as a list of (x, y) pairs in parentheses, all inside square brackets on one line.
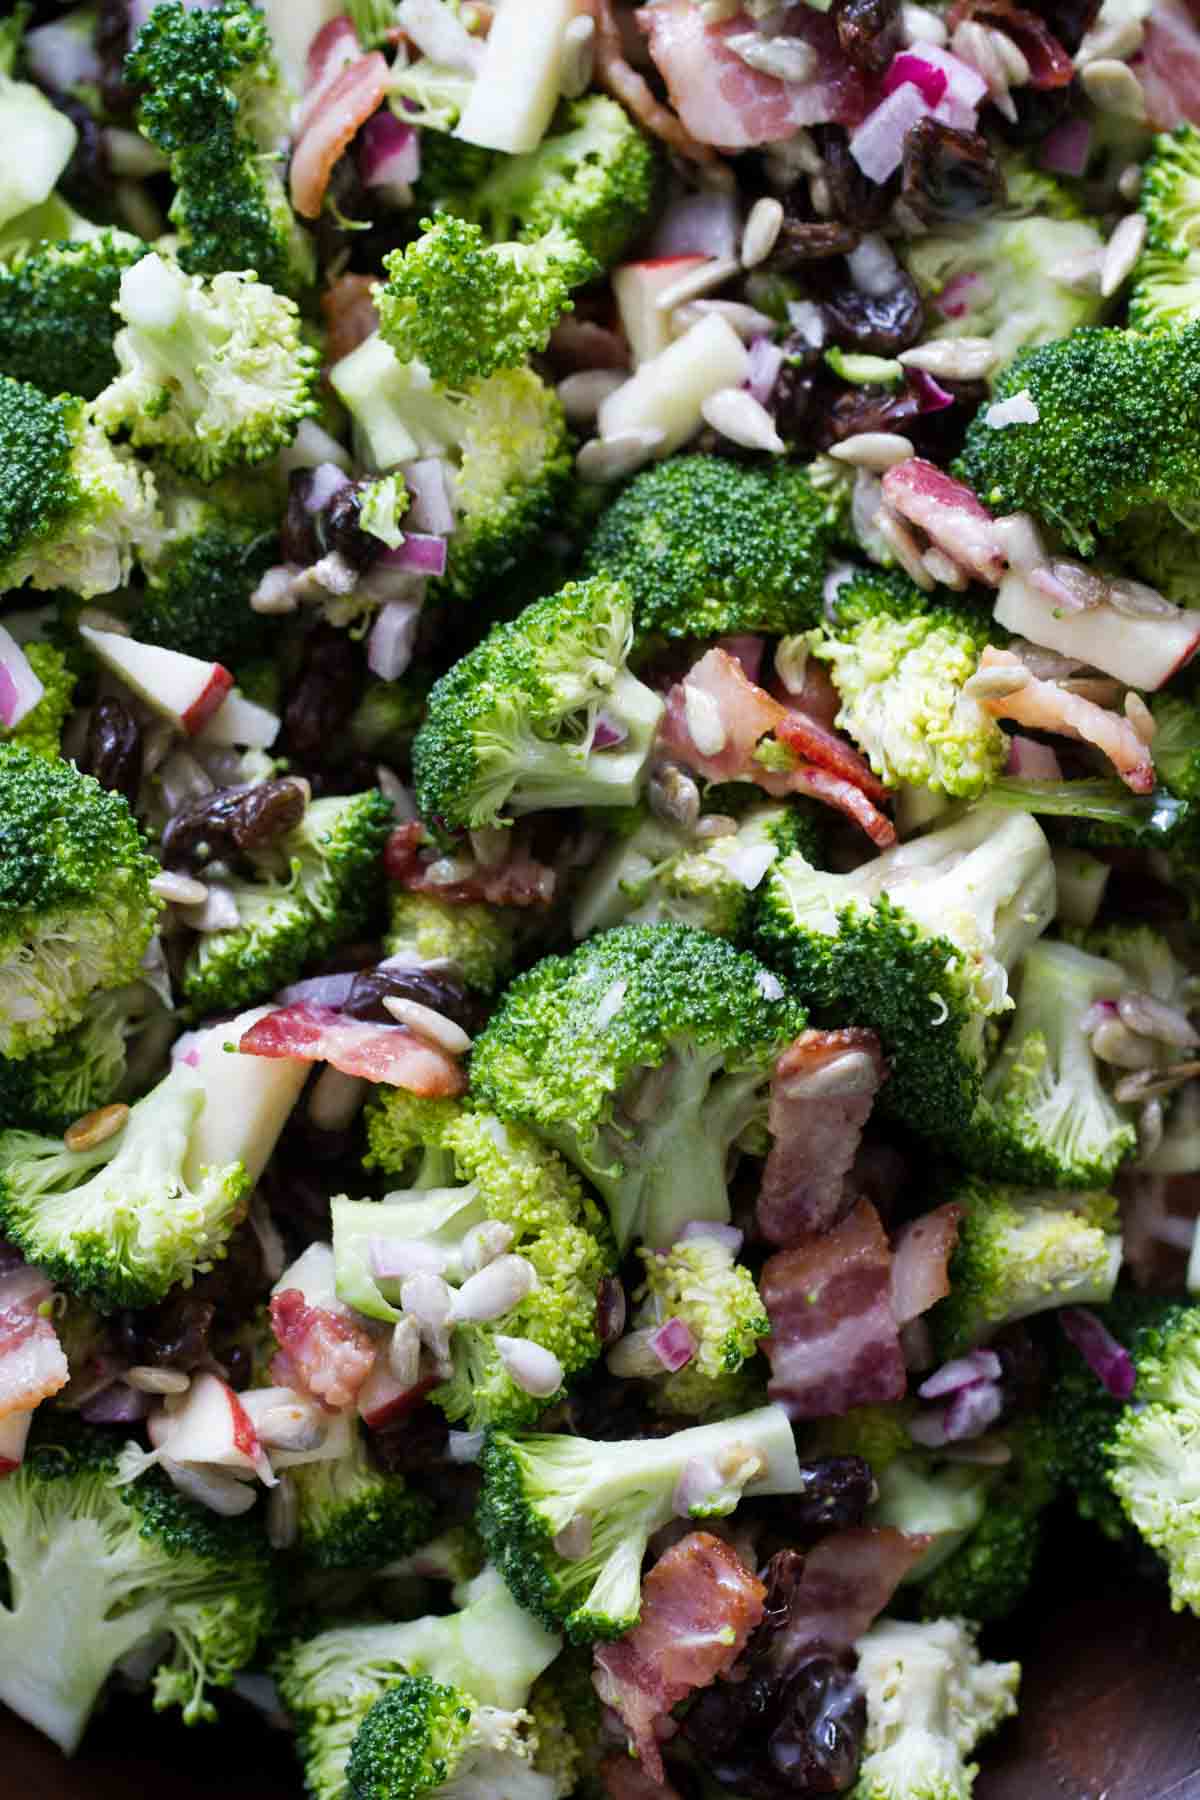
[(333, 1444), (242, 723), (1143, 653), (247, 1099), (14, 1430), (382, 1400), (184, 689), (212, 1427), (636, 288)]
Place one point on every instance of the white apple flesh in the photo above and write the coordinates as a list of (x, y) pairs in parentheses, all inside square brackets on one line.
[(213, 1427), (247, 1102), (636, 288), (1142, 652), (184, 689), (668, 392), (241, 722)]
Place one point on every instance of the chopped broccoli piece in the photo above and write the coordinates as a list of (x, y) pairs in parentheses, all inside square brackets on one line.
[(431, 96), (41, 728), (451, 170), (917, 944), (1177, 744), (699, 1281), (385, 720), (644, 1057), (534, 1487), (74, 896), (406, 1135), (478, 939), (513, 295), (879, 1434), (352, 1515), (212, 99), (900, 664), (83, 1068), (925, 1497), (1045, 1117), (565, 1709), (1022, 1252), (1160, 551), (511, 728), (710, 547), (1166, 278), (508, 1179), (213, 373), (56, 312), (97, 1571), (73, 509), (216, 547), (930, 1699), (334, 886), (423, 1737)]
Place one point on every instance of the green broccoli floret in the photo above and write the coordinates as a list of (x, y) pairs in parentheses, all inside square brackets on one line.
[(710, 547), (1045, 1118), (97, 1571), (505, 438), (917, 944), (213, 373), (478, 939), (212, 99), (83, 1068), (879, 1434), (385, 720), (426, 1738), (924, 1496), (431, 95), (700, 1282), (534, 1487), (512, 727), (515, 1205), (216, 547), (565, 1709), (56, 312), (73, 509), (595, 175), (332, 890), (352, 1515), (75, 897), (451, 170), (662, 874), (1117, 430), (988, 1577), (930, 1699), (513, 294), (490, 1653), (900, 665), (1177, 744), (1160, 551), (1020, 1252), (406, 1135), (41, 728), (1166, 278), (644, 1057)]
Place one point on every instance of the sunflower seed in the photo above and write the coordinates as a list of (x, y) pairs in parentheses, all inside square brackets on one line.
[(703, 718), (578, 57), (433, 1026), (148, 1380), (785, 58), (283, 1515), (178, 890), (535, 1370), (1121, 252), (335, 1100), (1140, 717), (996, 684), (1112, 87), (873, 449), (610, 459), (96, 1127), (404, 1353), (762, 231), (574, 1541), (712, 273), (919, 25), (738, 416), (953, 359), (1129, 182), (1151, 1018), (1111, 39), (944, 569), (494, 1290), (1149, 1084), (1113, 1042), (1150, 1127)]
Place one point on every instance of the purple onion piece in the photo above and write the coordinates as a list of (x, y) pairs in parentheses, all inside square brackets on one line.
[(673, 1344), (1108, 1360), (429, 507), (420, 554), (930, 80), (972, 1410), (117, 1404), (729, 1235), (20, 689), (964, 1371), (320, 485), (393, 639), (606, 734), (707, 223), (389, 152), (930, 396), (961, 294), (765, 360), (610, 1310), (1065, 150), (319, 990)]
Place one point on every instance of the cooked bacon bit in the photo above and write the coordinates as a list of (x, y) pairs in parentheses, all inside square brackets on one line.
[(32, 1364), (699, 1606), (818, 699), (921, 1261), (350, 315), (949, 513), (331, 125), (1169, 65), (623, 1779), (615, 75), (832, 790), (834, 1341), (1047, 706), (723, 101), (322, 1352), (400, 852), (746, 713), (815, 743), (382, 1053), (1049, 64), (847, 1581), (521, 881), (822, 1092)]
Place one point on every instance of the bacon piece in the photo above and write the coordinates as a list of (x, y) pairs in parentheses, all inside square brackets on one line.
[(350, 315), (832, 790), (618, 78), (623, 1779), (699, 1606), (847, 1580), (382, 1053), (834, 1341), (818, 699), (949, 513), (1168, 66), (321, 1351), (331, 125), (723, 101), (747, 713), (1050, 66), (521, 881), (822, 1092), (1045, 706), (815, 743), (921, 1260), (747, 650), (32, 1363)]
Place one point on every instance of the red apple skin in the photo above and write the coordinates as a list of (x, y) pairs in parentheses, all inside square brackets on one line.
[(1187, 656), (666, 262), (383, 1402), (7, 1467), (206, 703)]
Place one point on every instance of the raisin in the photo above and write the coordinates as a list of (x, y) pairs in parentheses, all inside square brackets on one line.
[(208, 828), (868, 32), (857, 200), (113, 753), (949, 176), (804, 241), (428, 987), (323, 695)]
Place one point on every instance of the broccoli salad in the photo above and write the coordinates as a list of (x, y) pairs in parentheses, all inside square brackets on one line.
[(599, 879)]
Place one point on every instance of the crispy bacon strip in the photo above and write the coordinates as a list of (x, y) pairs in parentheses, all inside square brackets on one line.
[(1169, 65), (847, 1580), (350, 315), (331, 126), (32, 1363), (921, 1261), (1045, 706), (746, 714), (832, 790), (618, 78), (949, 513), (322, 1352), (817, 744), (822, 1092), (382, 1053), (521, 881)]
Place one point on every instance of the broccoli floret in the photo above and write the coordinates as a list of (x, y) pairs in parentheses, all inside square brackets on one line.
[(41, 728), (491, 1652), (216, 547), (451, 170), (595, 176), (213, 373), (930, 1699), (73, 509), (644, 1057), (1166, 279), (555, 1233), (211, 98), (431, 96), (513, 294), (565, 1709), (352, 1515), (710, 547), (900, 665), (56, 312), (332, 890), (1177, 744), (988, 1577), (83, 1068), (75, 896), (661, 874), (478, 939), (699, 1282), (925, 1497), (1160, 551), (1045, 1118), (1021, 1252), (917, 944), (512, 727), (385, 720), (534, 1487), (1117, 429), (96, 1571), (406, 1135), (879, 1434), (506, 439), (426, 1738)]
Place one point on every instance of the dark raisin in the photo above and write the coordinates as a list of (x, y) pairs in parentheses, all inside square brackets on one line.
[(857, 200), (790, 401), (879, 324), (339, 530), (611, 1309), (1070, 20), (323, 695), (949, 176), (868, 32), (834, 1495), (298, 534), (87, 179), (113, 752), (114, 35), (858, 409), (428, 987), (232, 820), (802, 241), (174, 1334), (1038, 111), (817, 1742)]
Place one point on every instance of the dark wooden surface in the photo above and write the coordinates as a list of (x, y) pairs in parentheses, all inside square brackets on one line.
[(1110, 1711)]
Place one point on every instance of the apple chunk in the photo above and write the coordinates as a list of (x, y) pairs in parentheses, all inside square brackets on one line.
[(667, 393), (1142, 652), (636, 288), (213, 1428), (247, 1099), (185, 689)]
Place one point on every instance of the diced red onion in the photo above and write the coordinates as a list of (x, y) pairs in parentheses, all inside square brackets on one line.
[(877, 145), (1032, 761), (977, 1365), (1108, 1360), (63, 57), (699, 1481), (393, 638), (965, 86), (117, 1404), (389, 152), (673, 1344), (1065, 150), (606, 734), (429, 506), (746, 649), (972, 1410), (421, 553), (395, 1259), (20, 689), (924, 75), (762, 368), (318, 990), (931, 396), (961, 294), (729, 1235), (707, 223)]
